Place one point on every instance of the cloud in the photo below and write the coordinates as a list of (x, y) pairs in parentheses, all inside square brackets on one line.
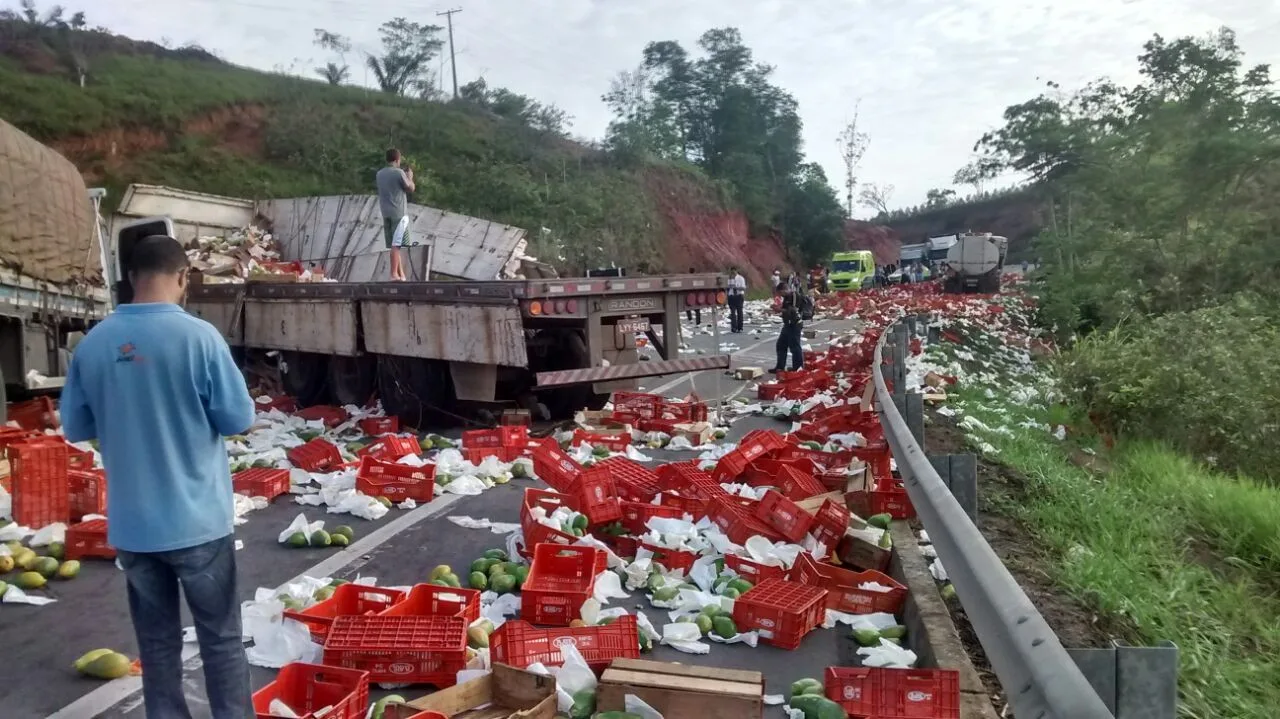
[(932, 76)]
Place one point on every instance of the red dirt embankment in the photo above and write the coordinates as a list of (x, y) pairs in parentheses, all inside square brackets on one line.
[(703, 235), (884, 242)]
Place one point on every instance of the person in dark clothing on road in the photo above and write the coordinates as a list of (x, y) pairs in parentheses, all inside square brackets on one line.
[(789, 337), (691, 314)]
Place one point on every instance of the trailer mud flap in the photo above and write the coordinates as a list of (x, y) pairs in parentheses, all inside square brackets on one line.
[(561, 378)]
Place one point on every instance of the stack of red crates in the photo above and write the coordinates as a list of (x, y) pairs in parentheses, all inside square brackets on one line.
[(39, 476)]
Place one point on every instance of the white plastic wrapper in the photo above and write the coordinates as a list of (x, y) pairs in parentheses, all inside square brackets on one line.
[(44, 536), (14, 532), (300, 524), (473, 523), (780, 554), (14, 595), (684, 637), (875, 620), (938, 571), (572, 676), (635, 705), (888, 654)]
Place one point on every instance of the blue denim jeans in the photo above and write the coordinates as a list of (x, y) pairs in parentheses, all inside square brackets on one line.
[(207, 575)]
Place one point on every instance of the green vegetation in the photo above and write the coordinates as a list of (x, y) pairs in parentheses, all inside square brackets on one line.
[(1160, 255)]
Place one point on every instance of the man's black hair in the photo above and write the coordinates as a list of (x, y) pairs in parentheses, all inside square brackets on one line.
[(392, 155), (158, 255)]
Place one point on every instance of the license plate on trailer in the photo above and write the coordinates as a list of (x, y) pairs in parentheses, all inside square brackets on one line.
[(633, 325)]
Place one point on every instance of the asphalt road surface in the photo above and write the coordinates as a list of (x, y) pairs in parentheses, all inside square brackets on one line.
[(40, 643)]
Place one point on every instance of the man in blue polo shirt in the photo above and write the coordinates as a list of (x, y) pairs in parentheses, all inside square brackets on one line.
[(158, 389)]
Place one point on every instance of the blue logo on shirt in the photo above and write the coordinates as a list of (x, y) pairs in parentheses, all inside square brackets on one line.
[(126, 352)]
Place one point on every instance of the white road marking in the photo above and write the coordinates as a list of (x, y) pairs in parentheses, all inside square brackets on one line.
[(116, 692)]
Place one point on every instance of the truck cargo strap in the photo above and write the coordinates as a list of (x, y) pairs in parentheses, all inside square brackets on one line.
[(560, 378)]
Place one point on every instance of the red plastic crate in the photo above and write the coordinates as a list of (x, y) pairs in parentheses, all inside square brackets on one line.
[(504, 454), (666, 426), (784, 515), (555, 467), (380, 425), (641, 404), (671, 558), (891, 498), (412, 649), (433, 600), (86, 492), (798, 483), (88, 539), (885, 693), (685, 411), (634, 481), (751, 571), (36, 414), (331, 416), (613, 442), (79, 458), (519, 644), (636, 514), (842, 585), (505, 436), (391, 448), (318, 455), (283, 403), (736, 522), (396, 482), (596, 496), (877, 457), (306, 688), (781, 611), (347, 600), (830, 524), (560, 580), (769, 391), (678, 475), (535, 532), (693, 506), (38, 471), (261, 482)]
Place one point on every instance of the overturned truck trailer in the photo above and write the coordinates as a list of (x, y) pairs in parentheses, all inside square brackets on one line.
[(455, 336)]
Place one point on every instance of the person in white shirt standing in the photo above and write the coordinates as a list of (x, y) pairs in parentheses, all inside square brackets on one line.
[(737, 295)]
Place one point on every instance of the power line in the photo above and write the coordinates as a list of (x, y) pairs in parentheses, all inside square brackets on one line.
[(453, 60)]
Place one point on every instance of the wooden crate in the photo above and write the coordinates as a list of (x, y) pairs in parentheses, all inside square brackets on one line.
[(507, 693), (681, 690)]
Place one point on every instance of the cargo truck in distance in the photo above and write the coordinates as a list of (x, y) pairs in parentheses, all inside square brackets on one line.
[(974, 263), (52, 287), (454, 340)]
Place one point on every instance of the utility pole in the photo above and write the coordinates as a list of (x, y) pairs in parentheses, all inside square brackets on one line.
[(453, 61)]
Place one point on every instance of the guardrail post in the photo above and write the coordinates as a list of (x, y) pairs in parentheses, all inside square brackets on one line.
[(960, 473), (914, 414), (1134, 682)]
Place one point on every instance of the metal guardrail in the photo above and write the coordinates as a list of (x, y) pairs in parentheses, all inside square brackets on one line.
[(1039, 677)]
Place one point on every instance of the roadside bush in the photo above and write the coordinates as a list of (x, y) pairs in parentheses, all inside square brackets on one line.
[(1206, 380)]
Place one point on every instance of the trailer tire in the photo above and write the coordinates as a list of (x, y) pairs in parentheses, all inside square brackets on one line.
[(570, 353), (305, 376), (989, 284), (353, 380), (418, 391)]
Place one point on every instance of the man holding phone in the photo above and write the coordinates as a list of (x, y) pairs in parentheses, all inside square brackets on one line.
[(394, 186)]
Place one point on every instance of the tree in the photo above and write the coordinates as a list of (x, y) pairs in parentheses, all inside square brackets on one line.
[(335, 73), (939, 197), (407, 50), (853, 145), (812, 218), (976, 173), (877, 197), (514, 106)]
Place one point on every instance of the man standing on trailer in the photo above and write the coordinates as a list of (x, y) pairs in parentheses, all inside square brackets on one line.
[(158, 389), (394, 186)]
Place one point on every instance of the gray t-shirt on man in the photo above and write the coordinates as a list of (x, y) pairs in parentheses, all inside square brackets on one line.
[(392, 186)]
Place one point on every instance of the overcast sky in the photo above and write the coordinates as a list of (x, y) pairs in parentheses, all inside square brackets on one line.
[(933, 75)]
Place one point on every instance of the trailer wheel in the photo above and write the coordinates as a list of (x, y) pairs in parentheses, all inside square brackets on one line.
[(418, 391), (569, 351), (305, 376), (989, 284), (353, 380)]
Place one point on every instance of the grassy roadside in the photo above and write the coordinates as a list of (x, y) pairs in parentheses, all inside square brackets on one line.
[(1177, 551)]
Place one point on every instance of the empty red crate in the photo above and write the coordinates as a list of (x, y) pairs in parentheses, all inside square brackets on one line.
[(830, 524), (477, 455), (88, 539), (79, 458), (751, 571), (331, 416), (504, 436), (635, 515), (391, 447), (769, 391), (410, 649), (781, 611), (693, 506), (38, 474), (560, 580), (535, 532), (666, 426), (555, 467), (842, 586), (261, 482), (877, 458), (86, 492), (615, 442), (685, 411), (634, 481), (784, 515), (35, 414), (736, 522), (347, 600), (396, 482), (891, 498), (306, 688), (596, 496), (433, 600), (895, 693), (318, 455), (671, 558), (641, 404), (380, 425), (519, 644)]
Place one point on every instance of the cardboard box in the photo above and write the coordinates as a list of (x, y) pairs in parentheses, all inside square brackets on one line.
[(813, 504), (698, 433), (597, 420), (512, 693), (515, 417), (748, 373), (681, 690)]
